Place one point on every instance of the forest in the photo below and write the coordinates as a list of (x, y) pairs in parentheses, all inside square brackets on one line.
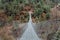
[(18, 9)]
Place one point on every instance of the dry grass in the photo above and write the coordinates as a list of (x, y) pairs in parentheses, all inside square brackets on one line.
[(6, 33)]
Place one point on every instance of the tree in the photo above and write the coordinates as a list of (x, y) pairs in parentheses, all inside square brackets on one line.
[(56, 36)]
